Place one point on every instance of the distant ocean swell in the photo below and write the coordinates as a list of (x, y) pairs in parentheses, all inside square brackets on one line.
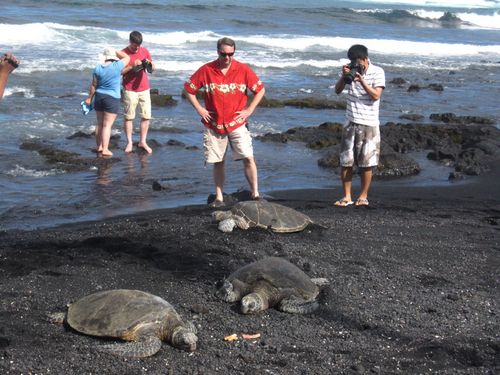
[(79, 46)]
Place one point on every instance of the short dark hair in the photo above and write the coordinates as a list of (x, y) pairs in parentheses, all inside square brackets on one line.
[(227, 42), (135, 37), (357, 51)]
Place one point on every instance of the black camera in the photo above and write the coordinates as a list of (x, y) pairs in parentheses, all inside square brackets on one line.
[(145, 64), (354, 68)]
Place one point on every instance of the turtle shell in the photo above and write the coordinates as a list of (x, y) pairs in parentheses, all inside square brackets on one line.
[(116, 313), (275, 216), (278, 272)]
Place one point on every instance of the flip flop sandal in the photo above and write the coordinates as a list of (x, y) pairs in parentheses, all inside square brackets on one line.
[(343, 203), (362, 202)]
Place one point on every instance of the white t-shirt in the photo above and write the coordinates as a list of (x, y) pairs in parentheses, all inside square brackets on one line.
[(361, 108)]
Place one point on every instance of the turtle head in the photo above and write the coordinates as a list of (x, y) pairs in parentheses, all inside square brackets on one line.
[(253, 303), (227, 225), (184, 337), (221, 215)]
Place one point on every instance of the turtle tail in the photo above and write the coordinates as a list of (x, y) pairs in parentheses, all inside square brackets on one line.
[(136, 349), (294, 305)]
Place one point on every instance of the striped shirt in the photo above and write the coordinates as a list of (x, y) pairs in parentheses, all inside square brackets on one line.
[(361, 108)]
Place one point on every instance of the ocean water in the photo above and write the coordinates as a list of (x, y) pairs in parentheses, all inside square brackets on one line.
[(296, 48)]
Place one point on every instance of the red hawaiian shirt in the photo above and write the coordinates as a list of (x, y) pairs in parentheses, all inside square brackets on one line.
[(224, 94)]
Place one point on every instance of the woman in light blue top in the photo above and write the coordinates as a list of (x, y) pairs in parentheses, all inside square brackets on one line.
[(105, 91)]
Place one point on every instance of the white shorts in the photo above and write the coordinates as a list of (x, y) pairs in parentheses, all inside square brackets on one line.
[(215, 144), (130, 101)]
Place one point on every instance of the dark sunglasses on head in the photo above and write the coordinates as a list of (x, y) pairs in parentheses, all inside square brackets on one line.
[(224, 54)]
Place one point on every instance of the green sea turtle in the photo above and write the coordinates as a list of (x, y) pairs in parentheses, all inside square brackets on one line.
[(262, 214), (271, 282), (143, 319)]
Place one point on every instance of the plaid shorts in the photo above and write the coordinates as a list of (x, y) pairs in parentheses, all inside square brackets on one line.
[(360, 145)]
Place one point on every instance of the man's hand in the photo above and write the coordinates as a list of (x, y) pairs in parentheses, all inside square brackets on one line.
[(243, 115), (204, 114)]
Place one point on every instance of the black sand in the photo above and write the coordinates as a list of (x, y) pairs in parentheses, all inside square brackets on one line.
[(414, 287)]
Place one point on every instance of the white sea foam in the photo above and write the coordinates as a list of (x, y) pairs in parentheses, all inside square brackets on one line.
[(442, 3), (26, 172), (485, 21), (27, 93), (79, 48)]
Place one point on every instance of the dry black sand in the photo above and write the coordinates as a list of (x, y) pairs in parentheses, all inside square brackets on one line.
[(414, 287)]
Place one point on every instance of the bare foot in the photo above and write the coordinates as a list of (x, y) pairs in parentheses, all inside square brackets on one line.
[(129, 147), (145, 147), (106, 153)]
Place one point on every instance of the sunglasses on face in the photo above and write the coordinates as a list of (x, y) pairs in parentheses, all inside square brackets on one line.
[(224, 54)]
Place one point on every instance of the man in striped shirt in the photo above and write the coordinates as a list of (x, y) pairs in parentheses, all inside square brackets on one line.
[(361, 134)]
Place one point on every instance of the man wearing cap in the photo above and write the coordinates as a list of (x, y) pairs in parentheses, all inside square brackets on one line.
[(225, 82), (136, 86), (105, 92)]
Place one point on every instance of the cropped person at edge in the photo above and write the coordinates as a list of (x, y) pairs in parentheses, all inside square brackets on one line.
[(137, 91), (225, 82), (8, 62), (361, 134)]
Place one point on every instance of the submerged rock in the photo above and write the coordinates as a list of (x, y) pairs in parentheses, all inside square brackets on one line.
[(65, 160)]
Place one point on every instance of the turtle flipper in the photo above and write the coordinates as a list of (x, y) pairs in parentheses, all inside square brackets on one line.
[(136, 349), (295, 305), (56, 318), (226, 291)]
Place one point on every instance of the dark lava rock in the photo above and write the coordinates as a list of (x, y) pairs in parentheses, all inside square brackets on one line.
[(306, 102), (79, 134), (414, 88), (396, 165), (467, 148), (171, 129), (436, 87), (174, 142), (454, 119), (65, 160), (411, 117), (161, 100), (398, 81)]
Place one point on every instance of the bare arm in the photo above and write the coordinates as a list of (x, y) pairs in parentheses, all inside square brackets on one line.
[(202, 111), (123, 57), (8, 63), (92, 89), (374, 92), (247, 112), (340, 85)]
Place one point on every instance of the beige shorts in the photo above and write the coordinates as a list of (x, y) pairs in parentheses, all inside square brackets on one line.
[(360, 146), (215, 145), (130, 101)]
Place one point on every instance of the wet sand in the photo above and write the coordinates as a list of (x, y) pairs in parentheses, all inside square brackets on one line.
[(414, 286)]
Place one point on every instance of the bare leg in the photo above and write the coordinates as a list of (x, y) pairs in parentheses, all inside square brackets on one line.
[(251, 175), (346, 176), (366, 179), (128, 126), (144, 133), (109, 119), (98, 130), (219, 176)]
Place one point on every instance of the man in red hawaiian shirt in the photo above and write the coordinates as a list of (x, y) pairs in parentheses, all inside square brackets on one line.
[(225, 82)]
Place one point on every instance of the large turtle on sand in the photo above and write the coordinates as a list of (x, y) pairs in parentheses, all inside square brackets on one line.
[(271, 282), (132, 315), (262, 214)]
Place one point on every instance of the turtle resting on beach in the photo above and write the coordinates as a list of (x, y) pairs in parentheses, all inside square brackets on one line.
[(271, 282), (143, 319), (262, 214)]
